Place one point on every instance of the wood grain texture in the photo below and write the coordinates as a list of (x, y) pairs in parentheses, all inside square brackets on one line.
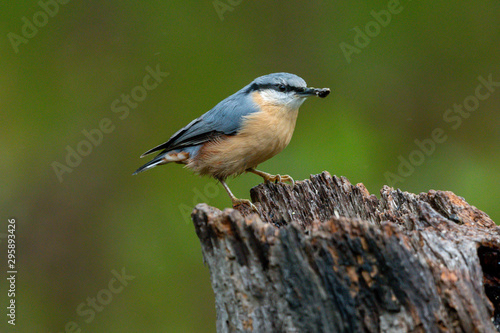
[(326, 256)]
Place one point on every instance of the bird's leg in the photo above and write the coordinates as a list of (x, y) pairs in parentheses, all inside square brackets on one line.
[(272, 178), (235, 200)]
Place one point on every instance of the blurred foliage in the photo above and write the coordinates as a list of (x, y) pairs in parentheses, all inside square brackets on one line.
[(64, 80)]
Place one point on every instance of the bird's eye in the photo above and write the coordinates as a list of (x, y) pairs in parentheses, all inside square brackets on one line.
[(282, 88)]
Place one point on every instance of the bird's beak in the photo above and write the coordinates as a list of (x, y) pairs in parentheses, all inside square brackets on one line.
[(320, 92)]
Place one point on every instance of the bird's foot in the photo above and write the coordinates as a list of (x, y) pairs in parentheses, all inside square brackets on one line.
[(272, 178), (279, 179), (238, 202)]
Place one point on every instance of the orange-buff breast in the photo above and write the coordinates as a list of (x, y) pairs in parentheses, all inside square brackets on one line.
[(263, 134)]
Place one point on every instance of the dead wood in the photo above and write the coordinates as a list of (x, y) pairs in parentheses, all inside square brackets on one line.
[(326, 256)]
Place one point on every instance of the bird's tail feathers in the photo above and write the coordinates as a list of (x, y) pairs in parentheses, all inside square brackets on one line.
[(149, 165), (174, 156)]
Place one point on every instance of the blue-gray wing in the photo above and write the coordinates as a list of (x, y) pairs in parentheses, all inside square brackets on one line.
[(224, 119)]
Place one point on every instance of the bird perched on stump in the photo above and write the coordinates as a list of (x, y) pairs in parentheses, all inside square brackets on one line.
[(244, 130)]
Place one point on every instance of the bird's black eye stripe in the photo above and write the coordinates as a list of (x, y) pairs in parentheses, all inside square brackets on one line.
[(281, 87), (285, 88)]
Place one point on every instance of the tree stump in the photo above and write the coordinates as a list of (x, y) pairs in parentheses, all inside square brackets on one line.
[(326, 256)]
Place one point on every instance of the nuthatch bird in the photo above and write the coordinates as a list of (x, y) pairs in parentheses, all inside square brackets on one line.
[(244, 130)]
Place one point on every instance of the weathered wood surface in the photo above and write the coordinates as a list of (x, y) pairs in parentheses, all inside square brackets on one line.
[(326, 256)]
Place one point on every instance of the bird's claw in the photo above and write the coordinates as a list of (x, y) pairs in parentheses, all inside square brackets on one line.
[(238, 202), (280, 179)]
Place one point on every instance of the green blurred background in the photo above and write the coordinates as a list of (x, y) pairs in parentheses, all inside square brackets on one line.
[(72, 234)]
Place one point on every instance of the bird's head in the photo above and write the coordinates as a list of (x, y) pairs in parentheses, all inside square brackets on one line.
[(284, 89)]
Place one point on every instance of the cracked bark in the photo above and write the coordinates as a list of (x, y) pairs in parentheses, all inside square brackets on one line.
[(326, 256)]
